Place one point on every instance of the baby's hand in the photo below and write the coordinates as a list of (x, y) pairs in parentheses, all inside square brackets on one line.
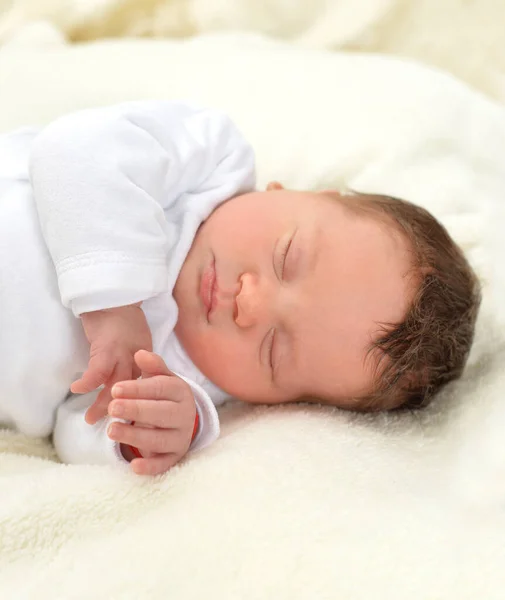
[(163, 409), (114, 336)]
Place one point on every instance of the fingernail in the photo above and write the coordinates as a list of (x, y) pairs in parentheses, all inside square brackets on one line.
[(117, 410), (117, 389), (110, 430)]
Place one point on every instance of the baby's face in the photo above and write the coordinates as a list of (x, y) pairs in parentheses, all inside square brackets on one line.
[(297, 287)]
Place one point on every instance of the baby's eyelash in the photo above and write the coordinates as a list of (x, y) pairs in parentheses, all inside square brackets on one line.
[(270, 350), (284, 253)]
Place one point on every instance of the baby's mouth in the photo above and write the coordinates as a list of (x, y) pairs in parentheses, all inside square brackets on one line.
[(214, 296)]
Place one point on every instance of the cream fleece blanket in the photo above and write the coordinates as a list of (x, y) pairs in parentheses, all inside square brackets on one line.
[(292, 502), (465, 38)]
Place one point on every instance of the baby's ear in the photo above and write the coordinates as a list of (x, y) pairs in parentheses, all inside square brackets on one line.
[(274, 185)]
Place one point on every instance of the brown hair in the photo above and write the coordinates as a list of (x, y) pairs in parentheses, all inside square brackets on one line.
[(418, 356)]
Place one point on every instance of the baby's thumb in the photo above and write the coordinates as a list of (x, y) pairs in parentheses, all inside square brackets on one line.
[(151, 364)]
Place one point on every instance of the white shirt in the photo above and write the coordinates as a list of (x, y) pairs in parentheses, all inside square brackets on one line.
[(98, 210)]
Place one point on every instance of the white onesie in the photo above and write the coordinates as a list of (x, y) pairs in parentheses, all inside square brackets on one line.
[(98, 210)]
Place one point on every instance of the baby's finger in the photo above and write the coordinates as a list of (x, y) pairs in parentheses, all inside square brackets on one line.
[(159, 441), (151, 364), (155, 465), (98, 409), (164, 414), (123, 371), (159, 387), (81, 386), (136, 372), (98, 372)]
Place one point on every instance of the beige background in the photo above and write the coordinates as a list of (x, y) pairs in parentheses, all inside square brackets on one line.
[(460, 36)]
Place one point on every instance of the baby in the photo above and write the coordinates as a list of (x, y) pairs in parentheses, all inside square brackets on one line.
[(143, 220)]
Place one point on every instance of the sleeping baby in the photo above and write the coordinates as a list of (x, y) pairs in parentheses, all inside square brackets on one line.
[(144, 280)]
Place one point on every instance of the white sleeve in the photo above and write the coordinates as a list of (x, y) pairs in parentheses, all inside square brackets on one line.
[(208, 418), (108, 184), (77, 442)]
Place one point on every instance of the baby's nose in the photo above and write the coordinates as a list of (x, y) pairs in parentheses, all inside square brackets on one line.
[(248, 301)]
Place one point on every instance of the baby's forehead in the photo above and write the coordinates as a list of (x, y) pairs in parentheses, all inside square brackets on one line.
[(371, 228)]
